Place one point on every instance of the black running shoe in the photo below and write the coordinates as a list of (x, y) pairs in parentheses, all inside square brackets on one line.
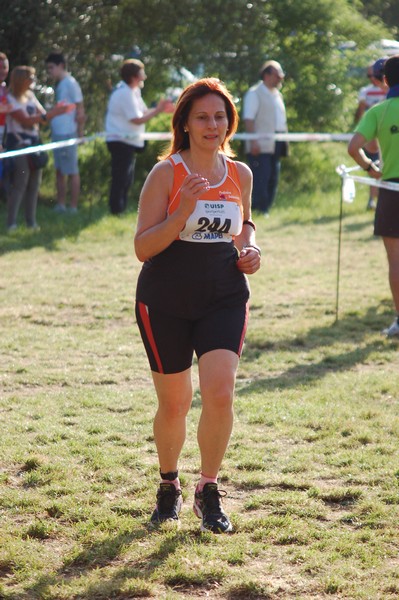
[(208, 507), (169, 503)]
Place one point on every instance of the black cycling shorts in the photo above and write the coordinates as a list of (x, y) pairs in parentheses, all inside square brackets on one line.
[(170, 341), (386, 221)]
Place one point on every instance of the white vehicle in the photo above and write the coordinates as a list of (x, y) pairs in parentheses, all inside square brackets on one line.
[(385, 47)]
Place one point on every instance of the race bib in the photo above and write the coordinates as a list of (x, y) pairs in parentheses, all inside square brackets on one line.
[(213, 221)]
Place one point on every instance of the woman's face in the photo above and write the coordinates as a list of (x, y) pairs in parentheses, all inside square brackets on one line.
[(26, 82), (30, 82), (207, 122)]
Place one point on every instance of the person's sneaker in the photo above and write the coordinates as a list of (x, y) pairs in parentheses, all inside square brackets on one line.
[(59, 209), (393, 330), (371, 204), (34, 227), (208, 507), (73, 210), (12, 228), (169, 503)]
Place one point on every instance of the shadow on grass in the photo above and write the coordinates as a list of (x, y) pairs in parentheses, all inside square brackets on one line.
[(110, 553), (360, 227), (94, 208), (351, 329), (53, 227)]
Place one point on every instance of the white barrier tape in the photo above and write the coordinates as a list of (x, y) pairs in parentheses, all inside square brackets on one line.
[(296, 137), (344, 173), (49, 146), (388, 185), (160, 136)]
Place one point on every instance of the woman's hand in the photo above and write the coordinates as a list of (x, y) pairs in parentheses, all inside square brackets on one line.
[(374, 171), (193, 186), (166, 106), (249, 260), (255, 147)]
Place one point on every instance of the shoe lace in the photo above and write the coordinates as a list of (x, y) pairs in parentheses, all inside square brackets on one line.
[(212, 496)]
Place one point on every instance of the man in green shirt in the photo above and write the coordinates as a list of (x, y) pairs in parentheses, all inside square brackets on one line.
[(382, 123)]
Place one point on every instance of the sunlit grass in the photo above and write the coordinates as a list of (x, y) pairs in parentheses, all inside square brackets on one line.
[(311, 471)]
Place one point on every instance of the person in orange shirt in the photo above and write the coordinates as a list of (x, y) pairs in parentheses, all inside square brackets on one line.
[(197, 242)]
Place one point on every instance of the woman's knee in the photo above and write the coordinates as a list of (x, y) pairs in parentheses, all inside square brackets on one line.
[(218, 398), (174, 408), (174, 393)]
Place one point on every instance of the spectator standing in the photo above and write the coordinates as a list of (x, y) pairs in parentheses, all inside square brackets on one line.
[(381, 122), (4, 107), (4, 104), (124, 125), (66, 127), (370, 95), (197, 242), (374, 92), (22, 126), (264, 113)]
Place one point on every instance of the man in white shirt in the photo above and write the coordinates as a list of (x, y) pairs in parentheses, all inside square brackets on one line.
[(124, 125), (67, 126), (264, 114)]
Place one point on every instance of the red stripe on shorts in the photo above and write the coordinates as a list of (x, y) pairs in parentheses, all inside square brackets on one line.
[(244, 329), (145, 318)]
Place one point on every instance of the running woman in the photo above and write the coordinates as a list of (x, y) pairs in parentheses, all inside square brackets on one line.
[(197, 242)]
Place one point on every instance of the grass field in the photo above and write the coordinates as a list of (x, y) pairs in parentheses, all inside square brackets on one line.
[(311, 473)]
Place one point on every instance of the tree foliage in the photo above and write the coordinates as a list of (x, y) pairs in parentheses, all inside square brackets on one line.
[(208, 37), (385, 10)]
